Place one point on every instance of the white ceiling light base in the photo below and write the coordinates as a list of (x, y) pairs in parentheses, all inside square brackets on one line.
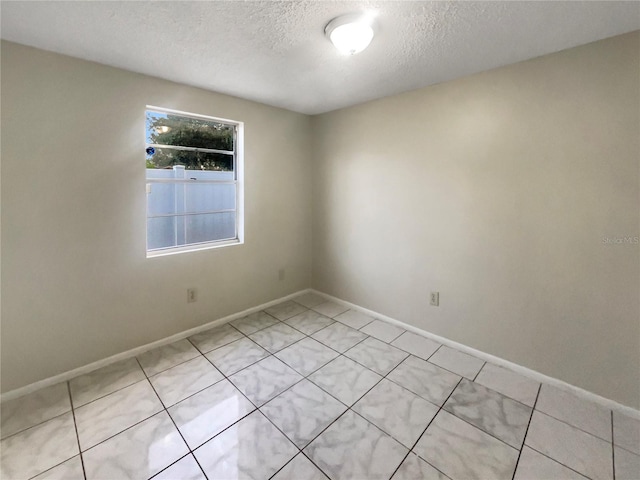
[(350, 34)]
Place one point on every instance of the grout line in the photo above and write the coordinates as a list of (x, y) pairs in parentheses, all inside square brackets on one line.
[(172, 464), (613, 449), (533, 409), (474, 378)]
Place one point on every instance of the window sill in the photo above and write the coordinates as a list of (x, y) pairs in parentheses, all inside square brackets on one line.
[(193, 248)]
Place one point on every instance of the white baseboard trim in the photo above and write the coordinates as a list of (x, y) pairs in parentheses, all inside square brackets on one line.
[(134, 352), (527, 372)]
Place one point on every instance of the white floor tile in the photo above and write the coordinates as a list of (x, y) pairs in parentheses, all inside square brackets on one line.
[(303, 411), (309, 322), (627, 465), (626, 432), (215, 338), (254, 322), (276, 337), (69, 470), (306, 356), (330, 309), (184, 469), (376, 355), (163, 358), (457, 362), (578, 450), (535, 466), (310, 299), (236, 355), (139, 452), (382, 331), (106, 380), (184, 380), (345, 379), (339, 337), (252, 448), (461, 451), (107, 416), (587, 416), (264, 380), (38, 448), (300, 468), (32, 409), (414, 468), (511, 384), (352, 448), (354, 319), (396, 411), (285, 310), (416, 345), (424, 379), (205, 414)]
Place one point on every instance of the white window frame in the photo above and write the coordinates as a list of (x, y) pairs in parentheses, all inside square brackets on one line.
[(238, 160)]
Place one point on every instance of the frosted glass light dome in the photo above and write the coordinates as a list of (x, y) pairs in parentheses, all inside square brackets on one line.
[(350, 34)]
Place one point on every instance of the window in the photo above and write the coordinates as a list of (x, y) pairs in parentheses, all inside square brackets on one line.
[(194, 174)]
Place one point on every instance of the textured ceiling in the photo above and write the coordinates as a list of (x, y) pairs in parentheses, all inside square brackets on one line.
[(275, 52)]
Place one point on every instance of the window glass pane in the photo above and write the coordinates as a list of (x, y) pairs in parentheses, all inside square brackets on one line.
[(165, 232), (171, 129), (167, 158), (192, 197), (210, 226)]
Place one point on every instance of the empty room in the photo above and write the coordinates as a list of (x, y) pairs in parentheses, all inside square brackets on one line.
[(307, 240)]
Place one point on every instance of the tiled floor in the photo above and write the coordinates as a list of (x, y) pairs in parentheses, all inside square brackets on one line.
[(308, 390)]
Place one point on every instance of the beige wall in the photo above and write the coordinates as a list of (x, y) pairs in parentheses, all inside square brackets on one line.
[(76, 283), (496, 190)]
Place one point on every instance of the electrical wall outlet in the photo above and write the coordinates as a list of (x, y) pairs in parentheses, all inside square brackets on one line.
[(435, 299), (192, 295), (281, 274)]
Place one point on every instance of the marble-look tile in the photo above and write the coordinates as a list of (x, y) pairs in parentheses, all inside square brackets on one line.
[(383, 331), (302, 412), (425, 379), (215, 338), (38, 448), (139, 452), (236, 355), (306, 356), (285, 310), (184, 380), (581, 413), (105, 380), (345, 379), (251, 449), (490, 411), (626, 432), (396, 411), (205, 414), (460, 450), (184, 469), (339, 337), (376, 355), (354, 319), (354, 448), (570, 446), (535, 466), (330, 309), (457, 362), (103, 418), (511, 384), (627, 465), (276, 337), (300, 468), (264, 380), (254, 322), (309, 322), (34, 408), (309, 299), (414, 468), (163, 358), (416, 345), (69, 470)]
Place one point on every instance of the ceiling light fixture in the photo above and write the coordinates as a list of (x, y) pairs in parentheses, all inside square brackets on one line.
[(352, 33)]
